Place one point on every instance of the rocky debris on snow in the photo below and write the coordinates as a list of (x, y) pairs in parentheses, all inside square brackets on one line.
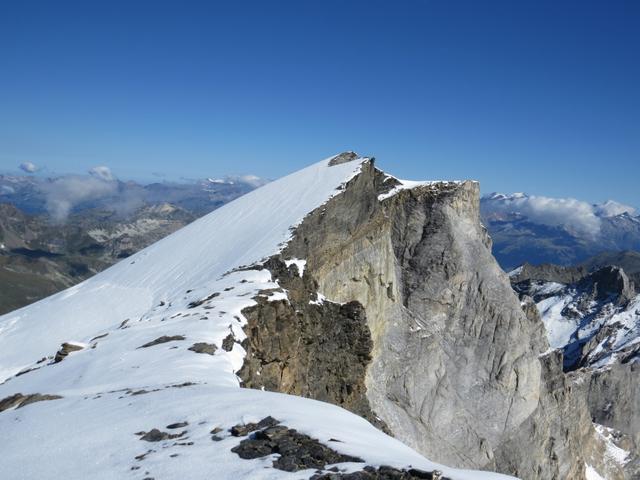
[(297, 451), (197, 303), (242, 430), (141, 457), (228, 342), (214, 434), (381, 473), (202, 347), (177, 425), (65, 349), (155, 435), (19, 400), (163, 339)]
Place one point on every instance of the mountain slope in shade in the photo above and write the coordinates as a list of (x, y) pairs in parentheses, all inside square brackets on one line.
[(132, 373)]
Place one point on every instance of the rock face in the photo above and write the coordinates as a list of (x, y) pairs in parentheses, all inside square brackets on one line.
[(454, 367), (610, 281), (308, 348), (613, 395)]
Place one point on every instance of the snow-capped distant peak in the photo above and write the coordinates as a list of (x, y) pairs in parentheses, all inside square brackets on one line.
[(611, 208)]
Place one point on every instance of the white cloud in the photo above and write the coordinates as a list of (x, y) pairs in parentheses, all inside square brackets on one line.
[(28, 167), (64, 193), (580, 217), (103, 173), (251, 180)]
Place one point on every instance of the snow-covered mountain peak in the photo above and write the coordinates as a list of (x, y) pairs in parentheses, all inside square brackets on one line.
[(504, 196), (136, 367), (611, 208)]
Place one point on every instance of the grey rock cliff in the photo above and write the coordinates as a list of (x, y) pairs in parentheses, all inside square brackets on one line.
[(455, 367)]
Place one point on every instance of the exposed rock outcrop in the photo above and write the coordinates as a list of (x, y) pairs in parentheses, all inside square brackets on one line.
[(163, 339), (295, 451), (19, 400), (382, 473), (609, 281), (65, 349), (203, 347), (343, 157), (309, 348)]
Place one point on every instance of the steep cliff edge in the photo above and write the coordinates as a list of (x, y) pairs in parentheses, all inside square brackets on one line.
[(456, 367)]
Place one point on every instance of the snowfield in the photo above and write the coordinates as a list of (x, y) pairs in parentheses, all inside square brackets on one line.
[(161, 332)]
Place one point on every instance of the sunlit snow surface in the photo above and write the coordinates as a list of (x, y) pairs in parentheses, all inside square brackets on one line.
[(189, 285)]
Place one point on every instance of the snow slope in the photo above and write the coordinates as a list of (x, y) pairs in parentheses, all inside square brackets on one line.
[(148, 327)]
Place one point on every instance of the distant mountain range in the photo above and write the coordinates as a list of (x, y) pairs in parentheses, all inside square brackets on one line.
[(556, 230), (71, 194), (56, 232)]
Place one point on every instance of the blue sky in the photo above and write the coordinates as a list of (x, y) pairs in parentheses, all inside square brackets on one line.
[(535, 96)]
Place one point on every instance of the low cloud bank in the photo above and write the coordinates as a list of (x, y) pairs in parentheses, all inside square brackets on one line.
[(63, 194), (578, 216)]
